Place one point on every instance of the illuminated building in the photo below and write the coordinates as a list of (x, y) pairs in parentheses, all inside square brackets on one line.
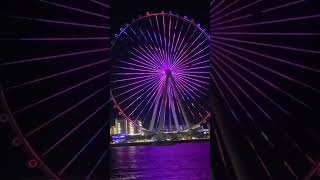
[(123, 126)]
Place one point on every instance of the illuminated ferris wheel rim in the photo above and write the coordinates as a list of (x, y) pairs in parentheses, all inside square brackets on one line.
[(184, 19), (35, 159), (122, 112), (148, 14)]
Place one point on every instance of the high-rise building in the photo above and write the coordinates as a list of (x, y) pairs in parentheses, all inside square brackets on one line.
[(122, 126)]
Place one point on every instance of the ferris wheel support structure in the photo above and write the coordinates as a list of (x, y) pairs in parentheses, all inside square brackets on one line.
[(167, 99)]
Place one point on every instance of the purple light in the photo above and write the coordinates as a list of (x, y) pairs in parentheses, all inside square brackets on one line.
[(160, 49)]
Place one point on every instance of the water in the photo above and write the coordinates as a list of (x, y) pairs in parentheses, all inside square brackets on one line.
[(188, 161)]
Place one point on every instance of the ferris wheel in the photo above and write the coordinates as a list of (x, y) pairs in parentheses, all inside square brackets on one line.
[(161, 72), (54, 88)]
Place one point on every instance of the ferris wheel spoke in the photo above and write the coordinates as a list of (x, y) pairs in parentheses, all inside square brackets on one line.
[(197, 80), (269, 57), (192, 114), (182, 58), (56, 74), (82, 149), (153, 89), (103, 155), (151, 57), (271, 22), (217, 138), (145, 84), (75, 9), (282, 6), (217, 6), (242, 90), (236, 10), (269, 69), (176, 37), (225, 99), (194, 64), (61, 22), (66, 111), (151, 36), (223, 9), (144, 90), (191, 61), (144, 59), (134, 73), (155, 103), (155, 44), (55, 38), (191, 58), (169, 39), (58, 93), (139, 62), (183, 40), (297, 146), (129, 79), (211, 2), (149, 100), (230, 20), (123, 93), (269, 33), (180, 55), (156, 54), (259, 157), (177, 54), (136, 82), (164, 37), (134, 33), (178, 40), (186, 88), (135, 69), (54, 56), (74, 129), (173, 39), (136, 65), (189, 91), (192, 72), (124, 31), (187, 81), (266, 81), (157, 51), (155, 37), (255, 87), (182, 91), (143, 35), (196, 68), (196, 76), (269, 45), (100, 3), (234, 96), (161, 44)]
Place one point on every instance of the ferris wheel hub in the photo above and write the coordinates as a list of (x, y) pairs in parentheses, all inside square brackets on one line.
[(168, 73)]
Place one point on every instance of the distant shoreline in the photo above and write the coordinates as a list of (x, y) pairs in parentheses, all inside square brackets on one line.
[(152, 143)]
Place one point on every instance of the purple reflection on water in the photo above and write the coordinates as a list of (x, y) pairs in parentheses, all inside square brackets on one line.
[(174, 162)]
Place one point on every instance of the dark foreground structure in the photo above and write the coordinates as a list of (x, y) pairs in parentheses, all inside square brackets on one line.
[(265, 91)]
